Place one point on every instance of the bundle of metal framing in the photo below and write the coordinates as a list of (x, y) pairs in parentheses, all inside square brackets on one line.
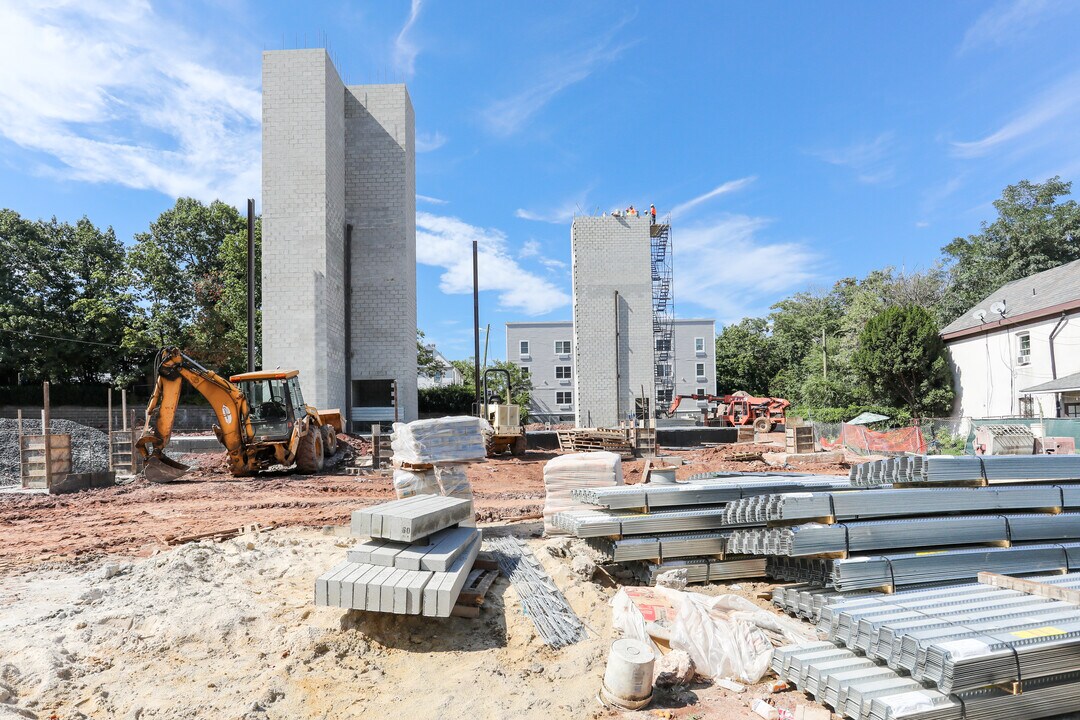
[(980, 469), (857, 688), (915, 568), (706, 570), (661, 547), (649, 495), (843, 538), (601, 523), (898, 502)]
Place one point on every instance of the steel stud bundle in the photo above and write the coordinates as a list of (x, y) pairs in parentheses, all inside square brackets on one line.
[(980, 469)]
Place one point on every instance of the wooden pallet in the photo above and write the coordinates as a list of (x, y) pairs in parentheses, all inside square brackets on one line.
[(484, 572)]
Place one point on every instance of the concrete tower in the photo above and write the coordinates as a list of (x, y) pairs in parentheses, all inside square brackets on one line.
[(334, 157), (613, 333)]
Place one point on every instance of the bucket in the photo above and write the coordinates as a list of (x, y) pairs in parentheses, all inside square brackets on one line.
[(628, 678), (662, 476)]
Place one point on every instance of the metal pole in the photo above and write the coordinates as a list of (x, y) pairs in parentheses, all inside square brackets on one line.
[(251, 285), (476, 326), (487, 337), (22, 455), (46, 426), (824, 357), (618, 369), (109, 426), (348, 328)]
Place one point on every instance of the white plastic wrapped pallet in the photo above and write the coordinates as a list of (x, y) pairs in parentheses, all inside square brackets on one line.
[(440, 440), (579, 470)]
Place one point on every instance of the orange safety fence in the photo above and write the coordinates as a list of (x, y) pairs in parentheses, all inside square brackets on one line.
[(859, 439)]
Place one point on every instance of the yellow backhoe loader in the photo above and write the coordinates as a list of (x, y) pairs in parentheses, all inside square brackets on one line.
[(262, 419)]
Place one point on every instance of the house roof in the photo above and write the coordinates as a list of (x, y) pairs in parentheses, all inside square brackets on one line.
[(1047, 293), (1068, 383)]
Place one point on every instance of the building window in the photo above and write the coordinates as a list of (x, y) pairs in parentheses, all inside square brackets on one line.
[(438, 376), (663, 370), (663, 345), (663, 398), (524, 347), (563, 397), (701, 391), (562, 347), (699, 345), (524, 371), (701, 370), (1027, 406), (562, 372), (1023, 353)]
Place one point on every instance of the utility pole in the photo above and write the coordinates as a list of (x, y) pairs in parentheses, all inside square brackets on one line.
[(824, 357), (476, 327), (251, 285)]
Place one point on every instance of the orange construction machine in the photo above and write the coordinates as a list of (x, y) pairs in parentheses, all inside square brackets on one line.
[(764, 413)]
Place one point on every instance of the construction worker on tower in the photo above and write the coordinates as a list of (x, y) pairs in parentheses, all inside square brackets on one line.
[(652, 213)]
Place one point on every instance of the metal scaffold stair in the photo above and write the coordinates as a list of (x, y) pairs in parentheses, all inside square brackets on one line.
[(663, 311)]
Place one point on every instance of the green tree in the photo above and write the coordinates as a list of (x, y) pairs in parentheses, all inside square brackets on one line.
[(745, 358), (901, 358), (1035, 231), (426, 364), (190, 274), (521, 385)]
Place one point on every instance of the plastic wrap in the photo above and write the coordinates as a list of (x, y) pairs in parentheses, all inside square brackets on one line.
[(440, 440), (579, 470), (724, 635)]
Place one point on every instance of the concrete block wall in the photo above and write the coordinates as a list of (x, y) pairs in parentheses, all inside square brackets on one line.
[(380, 199), (609, 255), (334, 155), (303, 198)]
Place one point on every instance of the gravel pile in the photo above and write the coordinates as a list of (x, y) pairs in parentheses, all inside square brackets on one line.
[(89, 447)]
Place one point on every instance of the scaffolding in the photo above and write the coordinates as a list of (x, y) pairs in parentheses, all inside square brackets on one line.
[(663, 305)]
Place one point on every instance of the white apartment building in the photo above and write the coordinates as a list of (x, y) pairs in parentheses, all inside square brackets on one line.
[(1017, 352), (444, 375), (544, 351)]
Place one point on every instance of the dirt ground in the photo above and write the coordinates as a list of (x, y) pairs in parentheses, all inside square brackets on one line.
[(103, 617)]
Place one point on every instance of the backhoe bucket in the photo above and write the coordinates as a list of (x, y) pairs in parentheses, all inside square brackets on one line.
[(161, 469)]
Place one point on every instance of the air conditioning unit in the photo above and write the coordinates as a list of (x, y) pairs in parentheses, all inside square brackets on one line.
[(1023, 359)]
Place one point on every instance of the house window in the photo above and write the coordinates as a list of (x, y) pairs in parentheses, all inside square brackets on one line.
[(562, 372), (524, 371), (663, 345), (701, 370), (438, 376), (663, 398), (701, 391), (699, 345), (563, 397), (524, 347), (562, 347), (663, 370), (1023, 353)]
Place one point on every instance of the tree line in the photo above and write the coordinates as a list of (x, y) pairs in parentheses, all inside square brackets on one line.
[(77, 305), (875, 341)]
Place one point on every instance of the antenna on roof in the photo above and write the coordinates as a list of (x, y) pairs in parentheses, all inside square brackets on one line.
[(979, 315), (999, 308)]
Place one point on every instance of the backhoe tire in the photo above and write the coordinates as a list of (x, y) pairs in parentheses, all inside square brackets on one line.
[(329, 440), (520, 446), (310, 453)]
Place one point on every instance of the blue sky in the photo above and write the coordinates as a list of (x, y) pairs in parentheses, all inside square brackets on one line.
[(794, 143)]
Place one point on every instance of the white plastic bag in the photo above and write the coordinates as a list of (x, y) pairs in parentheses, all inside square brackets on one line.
[(723, 635), (439, 440)]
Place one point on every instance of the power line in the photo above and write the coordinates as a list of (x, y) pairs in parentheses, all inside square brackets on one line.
[(55, 337)]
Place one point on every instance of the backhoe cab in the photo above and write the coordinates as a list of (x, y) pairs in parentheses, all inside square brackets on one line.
[(262, 419)]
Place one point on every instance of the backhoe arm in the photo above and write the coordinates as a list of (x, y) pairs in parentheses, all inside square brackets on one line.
[(228, 402)]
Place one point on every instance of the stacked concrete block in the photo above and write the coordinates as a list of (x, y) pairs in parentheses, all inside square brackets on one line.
[(336, 156), (386, 574), (613, 332)]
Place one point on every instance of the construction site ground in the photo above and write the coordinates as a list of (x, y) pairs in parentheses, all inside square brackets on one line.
[(109, 612)]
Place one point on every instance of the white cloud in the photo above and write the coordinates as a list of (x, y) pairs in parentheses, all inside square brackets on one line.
[(426, 142), (114, 93), (1008, 21), (405, 48), (723, 266), (432, 200), (531, 248), (728, 187), (868, 158), (446, 242), (560, 215), (1062, 101), (507, 116)]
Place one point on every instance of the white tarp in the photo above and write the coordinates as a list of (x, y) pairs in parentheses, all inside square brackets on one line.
[(578, 470), (440, 440)]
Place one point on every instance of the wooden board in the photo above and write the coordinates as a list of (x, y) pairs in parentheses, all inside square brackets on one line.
[(1030, 587)]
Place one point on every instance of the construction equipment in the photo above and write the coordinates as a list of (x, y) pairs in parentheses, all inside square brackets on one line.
[(505, 420), (740, 409), (262, 419)]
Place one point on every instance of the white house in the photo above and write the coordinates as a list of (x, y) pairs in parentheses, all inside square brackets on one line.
[(445, 374), (1017, 352)]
